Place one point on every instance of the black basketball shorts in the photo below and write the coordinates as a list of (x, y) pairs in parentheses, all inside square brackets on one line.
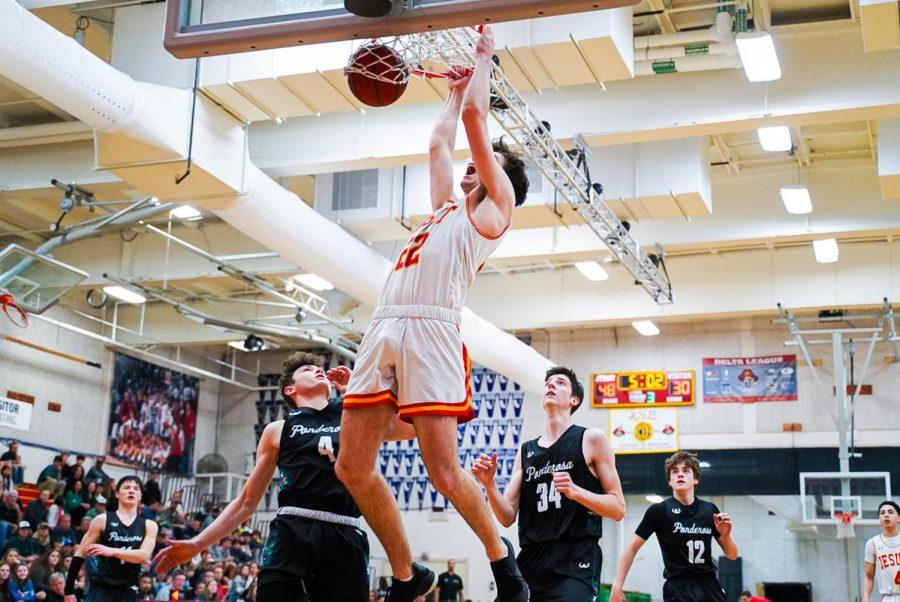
[(562, 570), (99, 592), (315, 560), (694, 590)]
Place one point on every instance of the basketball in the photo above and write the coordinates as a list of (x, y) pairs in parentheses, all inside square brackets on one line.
[(377, 75)]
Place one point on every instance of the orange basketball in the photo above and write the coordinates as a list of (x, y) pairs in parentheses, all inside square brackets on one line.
[(378, 63)]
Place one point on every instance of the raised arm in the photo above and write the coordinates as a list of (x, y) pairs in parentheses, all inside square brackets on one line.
[(491, 218), (599, 455), (625, 562), (724, 526), (443, 139), (240, 509), (504, 505)]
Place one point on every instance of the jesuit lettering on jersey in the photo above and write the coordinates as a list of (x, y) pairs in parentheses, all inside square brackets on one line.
[(535, 473), (887, 560), (113, 536), (692, 530), (299, 429)]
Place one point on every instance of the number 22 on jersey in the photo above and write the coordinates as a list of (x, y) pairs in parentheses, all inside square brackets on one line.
[(409, 256)]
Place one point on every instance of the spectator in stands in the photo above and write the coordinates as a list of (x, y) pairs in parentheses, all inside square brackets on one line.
[(14, 460), (63, 533), (240, 585), (57, 588), (172, 516), (193, 529), (43, 568), (6, 478), (96, 473), (50, 478), (82, 529), (22, 542), (162, 535), (41, 538), (746, 596), (10, 514), (99, 508), (11, 558), (76, 470), (36, 511), (152, 511), (174, 590), (75, 502), (145, 588), (213, 515), (21, 588), (221, 550), (4, 582), (152, 492)]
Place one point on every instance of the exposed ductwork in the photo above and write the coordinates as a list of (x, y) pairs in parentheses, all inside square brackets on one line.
[(142, 135), (701, 50)]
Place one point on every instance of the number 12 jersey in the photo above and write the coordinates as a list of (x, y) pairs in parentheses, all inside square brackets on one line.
[(685, 535)]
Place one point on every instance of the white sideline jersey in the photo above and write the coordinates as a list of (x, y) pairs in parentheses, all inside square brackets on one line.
[(884, 553), (440, 261)]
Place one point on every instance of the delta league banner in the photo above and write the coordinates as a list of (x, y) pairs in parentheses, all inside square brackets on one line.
[(15, 414), (643, 431), (750, 379)]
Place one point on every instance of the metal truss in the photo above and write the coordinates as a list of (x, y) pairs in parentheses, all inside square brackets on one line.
[(566, 171)]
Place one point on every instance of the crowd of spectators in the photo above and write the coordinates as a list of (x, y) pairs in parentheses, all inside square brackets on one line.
[(39, 538)]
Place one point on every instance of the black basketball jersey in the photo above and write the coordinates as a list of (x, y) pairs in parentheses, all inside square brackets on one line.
[(685, 535), (309, 446), (112, 571), (544, 514)]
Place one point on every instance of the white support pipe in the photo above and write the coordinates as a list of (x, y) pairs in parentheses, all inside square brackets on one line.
[(720, 32), (55, 67), (704, 62), (673, 52)]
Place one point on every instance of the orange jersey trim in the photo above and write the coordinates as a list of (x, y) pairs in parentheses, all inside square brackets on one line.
[(370, 399)]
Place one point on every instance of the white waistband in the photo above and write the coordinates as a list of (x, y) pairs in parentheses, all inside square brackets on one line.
[(320, 515), (429, 312)]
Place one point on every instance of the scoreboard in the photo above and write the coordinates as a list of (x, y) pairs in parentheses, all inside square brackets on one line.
[(643, 389)]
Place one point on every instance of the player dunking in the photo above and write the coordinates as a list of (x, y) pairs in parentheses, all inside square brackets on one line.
[(882, 556), (315, 548), (116, 545), (685, 526), (562, 484), (412, 359)]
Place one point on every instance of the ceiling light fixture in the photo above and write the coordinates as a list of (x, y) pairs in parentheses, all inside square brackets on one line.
[(758, 55), (796, 199), (185, 212), (125, 294), (592, 270), (775, 139), (646, 328), (314, 282), (826, 250)]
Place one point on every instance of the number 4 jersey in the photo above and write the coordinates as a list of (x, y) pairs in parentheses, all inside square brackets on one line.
[(685, 535), (544, 513), (309, 445), (884, 553)]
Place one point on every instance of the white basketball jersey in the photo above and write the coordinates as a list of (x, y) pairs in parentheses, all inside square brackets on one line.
[(439, 262), (884, 553)]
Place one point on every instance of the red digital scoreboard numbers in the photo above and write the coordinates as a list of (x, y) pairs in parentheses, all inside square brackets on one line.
[(645, 388)]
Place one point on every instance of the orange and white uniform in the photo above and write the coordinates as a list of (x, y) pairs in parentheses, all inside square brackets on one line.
[(412, 356), (884, 553)]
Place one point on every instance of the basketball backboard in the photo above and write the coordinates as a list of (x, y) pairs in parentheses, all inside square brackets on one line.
[(36, 281), (197, 28), (825, 495)]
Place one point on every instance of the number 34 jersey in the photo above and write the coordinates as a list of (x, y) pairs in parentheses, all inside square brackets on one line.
[(544, 513), (685, 535), (309, 446)]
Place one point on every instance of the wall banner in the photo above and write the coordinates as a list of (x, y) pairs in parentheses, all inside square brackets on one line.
[(750, 379)]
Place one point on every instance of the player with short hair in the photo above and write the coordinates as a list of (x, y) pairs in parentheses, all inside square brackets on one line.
[(316, 549), (562, 484), (116, 545), (412, 360), (882, 556), (685, 526)]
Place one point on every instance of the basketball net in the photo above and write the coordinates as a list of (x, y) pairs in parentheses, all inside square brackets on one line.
[(12, 310), (844, 524), (429, 55)]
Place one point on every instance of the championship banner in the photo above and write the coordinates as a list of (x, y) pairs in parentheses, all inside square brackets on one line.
[(15, 414), (641, 389), (643, 431), (750, 379)]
